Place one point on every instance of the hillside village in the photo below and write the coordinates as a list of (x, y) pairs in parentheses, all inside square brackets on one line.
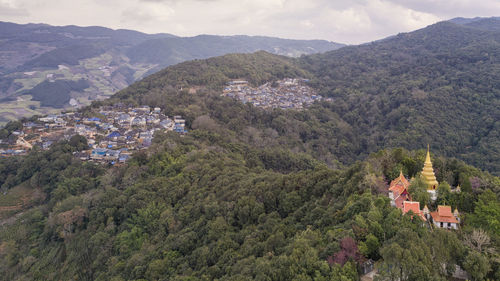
[(288, 93), (112, 137)]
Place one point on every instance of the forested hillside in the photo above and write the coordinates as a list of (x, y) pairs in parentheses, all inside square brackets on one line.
[(438, 85), (206, 207), (252, 193)]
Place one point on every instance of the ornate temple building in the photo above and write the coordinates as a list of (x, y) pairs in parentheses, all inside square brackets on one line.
[(401, 198), (429, 177), (444, 218), (398, 191)]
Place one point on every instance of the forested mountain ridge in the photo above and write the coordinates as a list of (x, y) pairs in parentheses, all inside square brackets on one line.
[(109, 60), (437, 85), (251, 193)]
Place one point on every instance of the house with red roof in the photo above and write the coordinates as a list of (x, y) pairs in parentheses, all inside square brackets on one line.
[(444, 218), (414, 207)]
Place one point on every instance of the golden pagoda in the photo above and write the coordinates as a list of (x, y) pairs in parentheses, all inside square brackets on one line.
[(428, 173)]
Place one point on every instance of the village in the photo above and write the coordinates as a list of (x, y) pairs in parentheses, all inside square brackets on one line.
[(112, 134), (285, 94)]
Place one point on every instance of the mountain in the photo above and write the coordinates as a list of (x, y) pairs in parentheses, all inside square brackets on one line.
[(109, 60), (490, 24), (438, 85), (271, 194)]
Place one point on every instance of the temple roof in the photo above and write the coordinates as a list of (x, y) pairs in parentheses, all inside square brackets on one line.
[(414, 207), (443, 214), (400, 180)]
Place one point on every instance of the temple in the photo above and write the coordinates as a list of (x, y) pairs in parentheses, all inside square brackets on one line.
[(429, 177), (401, 199), (398, 191), (444, 218)]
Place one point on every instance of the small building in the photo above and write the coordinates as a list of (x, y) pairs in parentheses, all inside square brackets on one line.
[(112, 155), (123, 158), (414, 207), (444, 218), (114, 135), (84, 156), (138, 121), (167, 123), (92, 120), (98, 153)]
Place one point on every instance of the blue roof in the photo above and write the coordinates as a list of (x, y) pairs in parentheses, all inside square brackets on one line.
[(94, 119), (114, 134), (100, 151)]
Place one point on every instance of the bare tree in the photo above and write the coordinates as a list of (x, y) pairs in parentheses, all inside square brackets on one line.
[(479, 241)]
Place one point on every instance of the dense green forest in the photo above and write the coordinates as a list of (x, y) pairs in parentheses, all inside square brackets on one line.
[(437, 85), (56, 93), (278, 194), (204, 207)]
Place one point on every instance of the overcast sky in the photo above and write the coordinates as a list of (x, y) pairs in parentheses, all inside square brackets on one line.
[(346, 21)]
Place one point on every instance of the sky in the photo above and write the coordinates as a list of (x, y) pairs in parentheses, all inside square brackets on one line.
[(345, 21)]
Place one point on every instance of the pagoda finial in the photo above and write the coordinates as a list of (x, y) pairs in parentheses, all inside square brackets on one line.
[(428, 156)]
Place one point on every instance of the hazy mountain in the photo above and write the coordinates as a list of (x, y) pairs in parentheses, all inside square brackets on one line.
[(491, 24), (108, 59)]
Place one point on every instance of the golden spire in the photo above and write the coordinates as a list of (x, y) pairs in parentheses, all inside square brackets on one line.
[(428, 172)]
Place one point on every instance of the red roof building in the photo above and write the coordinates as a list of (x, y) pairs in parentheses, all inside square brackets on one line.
[(444, 218), (414, 207), (398, 191)]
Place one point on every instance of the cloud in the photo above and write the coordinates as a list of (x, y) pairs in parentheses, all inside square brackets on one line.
[(10, 9), (453, 8), (347, 21), (148, 12)]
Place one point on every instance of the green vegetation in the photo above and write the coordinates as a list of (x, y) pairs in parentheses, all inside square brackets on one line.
[(279, 195), (69, 55), (437, 85), (57, 93), (206, 207)]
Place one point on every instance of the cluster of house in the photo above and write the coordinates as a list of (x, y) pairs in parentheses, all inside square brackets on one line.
[(112, 134), (286, 93), (442, 217)]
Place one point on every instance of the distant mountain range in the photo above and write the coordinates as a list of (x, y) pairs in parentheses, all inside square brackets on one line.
[(38, 61)]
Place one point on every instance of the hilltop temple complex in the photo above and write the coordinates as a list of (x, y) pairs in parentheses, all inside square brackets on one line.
[(401, 198)]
